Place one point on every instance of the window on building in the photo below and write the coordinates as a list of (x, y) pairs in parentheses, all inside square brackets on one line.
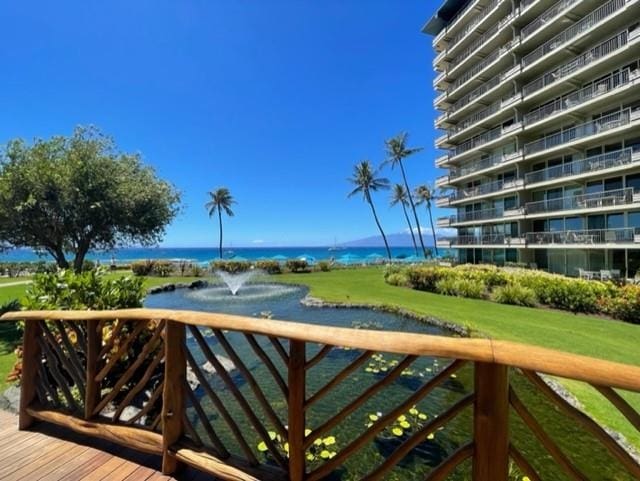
[(615, 221), (556, 225), (633, 219), (594, 186), (510, 202), (633, 180), (595, 222), (614, 183), (573, 223)]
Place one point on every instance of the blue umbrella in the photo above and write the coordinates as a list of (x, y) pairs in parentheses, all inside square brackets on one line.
[(412, 259), (349, 259), (374, 257), (306, 257)]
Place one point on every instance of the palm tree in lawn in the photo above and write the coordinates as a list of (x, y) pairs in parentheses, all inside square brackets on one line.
[(365, 181), (424, 195), (400, 196), (221, 200), (397, 151)]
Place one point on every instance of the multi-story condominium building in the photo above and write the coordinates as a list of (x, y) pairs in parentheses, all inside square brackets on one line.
[(539, 113)]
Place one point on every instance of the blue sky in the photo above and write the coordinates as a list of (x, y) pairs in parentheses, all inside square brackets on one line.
[(274, 99)]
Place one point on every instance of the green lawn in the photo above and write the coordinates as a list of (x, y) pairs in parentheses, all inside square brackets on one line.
[(580, 334)]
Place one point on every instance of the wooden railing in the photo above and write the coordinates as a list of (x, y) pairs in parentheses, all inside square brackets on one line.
[(256, 399)]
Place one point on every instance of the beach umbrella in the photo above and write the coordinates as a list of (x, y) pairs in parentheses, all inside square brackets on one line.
[(412, 259), (349, 259), (306, 257), (374, 257)]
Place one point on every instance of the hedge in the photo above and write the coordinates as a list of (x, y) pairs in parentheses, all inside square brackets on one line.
[(524, 287)]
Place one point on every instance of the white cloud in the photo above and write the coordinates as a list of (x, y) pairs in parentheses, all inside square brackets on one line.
[(257, 241)]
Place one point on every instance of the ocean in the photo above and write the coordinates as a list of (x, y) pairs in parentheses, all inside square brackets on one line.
[(206, 254)]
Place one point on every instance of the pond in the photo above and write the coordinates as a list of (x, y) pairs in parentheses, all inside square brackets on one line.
[(283, 303)]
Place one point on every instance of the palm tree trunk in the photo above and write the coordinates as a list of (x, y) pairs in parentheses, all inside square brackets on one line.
[(413, 208), (413, 237), (433, 231), (375, 216), (220, 223)]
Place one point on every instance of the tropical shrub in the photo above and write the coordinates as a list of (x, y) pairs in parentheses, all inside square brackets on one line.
[(324, 266), (88, 290), (392, 269), (472, 288), (142, 268), (297, 265), (162, 268), (270, 267), (230, 266), (514, 294), (624, 305), (398, 279), (196, 271), (426, 278)]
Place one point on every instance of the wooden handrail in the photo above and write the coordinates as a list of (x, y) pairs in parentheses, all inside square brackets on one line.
[(523, 356)]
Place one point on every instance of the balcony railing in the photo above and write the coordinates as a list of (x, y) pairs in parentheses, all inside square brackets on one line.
[(577, 167), (594, 54), (477, 18), (478, 165), (600, 87), (585, 237), (474, 94), (484, 214), (574, 31), (483, 189), (477, 141), (598, 126), (259, 418), (480, 41), (594, 200), (484, 239), (544, 18), (477, 117)]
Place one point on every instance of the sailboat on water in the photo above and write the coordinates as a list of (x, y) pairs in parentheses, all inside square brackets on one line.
[(335, 247)]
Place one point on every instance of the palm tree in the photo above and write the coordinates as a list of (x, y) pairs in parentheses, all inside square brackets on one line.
[(400, 196), (424, 195), (221, 200), (397, 151), (365, 181)]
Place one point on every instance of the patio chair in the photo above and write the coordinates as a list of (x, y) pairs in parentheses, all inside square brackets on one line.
[(605, 275), (609, 237), (615, 274)]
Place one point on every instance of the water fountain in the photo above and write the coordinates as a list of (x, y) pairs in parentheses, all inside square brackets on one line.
[(235, 281)]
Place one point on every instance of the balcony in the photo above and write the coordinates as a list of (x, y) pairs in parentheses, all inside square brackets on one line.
[(593, 201), (443, 201), (471, 96), (476, 118), (486, 189), (442, 181), (565, 37), (582, 131), (476, 141), (286, 377), (445, 221), (483, 164), (493, 240), (615, 81), (544, 19), (595, 164), (485, 214), (585, 238), (469, 27), (596, 53)]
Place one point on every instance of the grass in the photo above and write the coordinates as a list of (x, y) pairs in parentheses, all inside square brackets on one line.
[(579, 334)]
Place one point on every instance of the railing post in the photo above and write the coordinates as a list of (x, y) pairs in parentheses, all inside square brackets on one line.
[(31, 361), (175, 368), (297, 360), (92, 390), (491, 422)]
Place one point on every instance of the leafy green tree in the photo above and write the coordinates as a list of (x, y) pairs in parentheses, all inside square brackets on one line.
[(68, 195), (397, 151), (221, 200), (424, 195), (365, 181), (400, 196)]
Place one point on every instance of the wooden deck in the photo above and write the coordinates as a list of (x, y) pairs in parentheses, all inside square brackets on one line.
[(51, 453)]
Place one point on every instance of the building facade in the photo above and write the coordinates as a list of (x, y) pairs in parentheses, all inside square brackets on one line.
[(539, 114)]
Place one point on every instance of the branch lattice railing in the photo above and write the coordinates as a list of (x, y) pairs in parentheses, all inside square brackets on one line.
[(255, 399)]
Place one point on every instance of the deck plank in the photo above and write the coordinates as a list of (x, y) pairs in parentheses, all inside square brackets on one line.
[(50, 453)]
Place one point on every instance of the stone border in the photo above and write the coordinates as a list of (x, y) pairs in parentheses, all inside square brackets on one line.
[(310, 301)]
